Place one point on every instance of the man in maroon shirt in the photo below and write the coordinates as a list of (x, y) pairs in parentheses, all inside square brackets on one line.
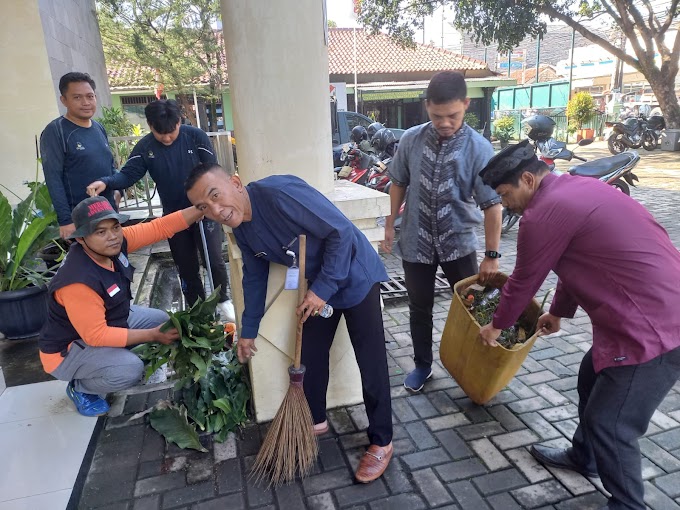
[(616, 262)]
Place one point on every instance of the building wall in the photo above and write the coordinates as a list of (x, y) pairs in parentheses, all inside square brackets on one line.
[(27, 101), (73, 43)]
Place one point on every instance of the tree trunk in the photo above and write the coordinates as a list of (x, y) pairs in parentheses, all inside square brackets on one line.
[(187, 108), (664, 90)]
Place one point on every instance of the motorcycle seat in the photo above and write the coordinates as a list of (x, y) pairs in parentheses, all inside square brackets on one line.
[(603, 166)]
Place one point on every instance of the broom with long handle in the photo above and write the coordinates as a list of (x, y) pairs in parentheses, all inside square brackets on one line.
[(290, 446)]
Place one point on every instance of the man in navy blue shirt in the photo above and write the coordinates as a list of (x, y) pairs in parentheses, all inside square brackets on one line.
[(75, 150), (169, 153), (343, 269)]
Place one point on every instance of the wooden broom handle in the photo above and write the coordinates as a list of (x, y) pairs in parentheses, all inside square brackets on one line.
[(302, 291)]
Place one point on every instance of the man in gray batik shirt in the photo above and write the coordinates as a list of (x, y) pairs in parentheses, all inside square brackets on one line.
[(439, 162)]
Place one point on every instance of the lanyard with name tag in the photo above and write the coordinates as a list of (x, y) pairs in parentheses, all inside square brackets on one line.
[(293, 272)]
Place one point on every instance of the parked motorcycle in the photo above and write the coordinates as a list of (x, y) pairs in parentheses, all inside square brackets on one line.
[(657, 124), (385, 144), (614, 170), (632, 133)]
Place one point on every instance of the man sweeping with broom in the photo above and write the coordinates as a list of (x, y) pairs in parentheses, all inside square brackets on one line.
[(343, 269)]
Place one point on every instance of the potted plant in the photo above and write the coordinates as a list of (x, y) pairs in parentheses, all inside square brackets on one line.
[(504, 127), (24, 231), (580, 110)]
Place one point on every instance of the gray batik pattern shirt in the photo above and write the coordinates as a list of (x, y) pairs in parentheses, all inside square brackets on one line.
[(445, 193)]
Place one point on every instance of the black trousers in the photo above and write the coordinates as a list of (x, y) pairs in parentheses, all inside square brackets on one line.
[(419, 280), (186, 246), (615, 406), (365, 326)]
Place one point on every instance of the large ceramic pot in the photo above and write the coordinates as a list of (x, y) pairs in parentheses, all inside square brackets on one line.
[(23, 312)]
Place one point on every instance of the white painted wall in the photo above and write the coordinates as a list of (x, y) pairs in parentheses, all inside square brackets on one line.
[(27, 101)]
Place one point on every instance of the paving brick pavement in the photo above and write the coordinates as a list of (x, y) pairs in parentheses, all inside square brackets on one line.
[(449, 452)]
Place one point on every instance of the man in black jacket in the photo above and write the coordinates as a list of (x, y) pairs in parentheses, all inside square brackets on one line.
[(169, 153)]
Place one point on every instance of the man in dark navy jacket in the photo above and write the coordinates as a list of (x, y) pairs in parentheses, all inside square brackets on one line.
[(343, 269), (74, 149), (169, 153)]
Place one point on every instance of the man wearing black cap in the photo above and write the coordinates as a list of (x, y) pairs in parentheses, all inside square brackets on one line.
[(616, 262), (90, 319)]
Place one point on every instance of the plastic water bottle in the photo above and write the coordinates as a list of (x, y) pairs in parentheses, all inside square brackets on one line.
[(489, 297), (326, 312)]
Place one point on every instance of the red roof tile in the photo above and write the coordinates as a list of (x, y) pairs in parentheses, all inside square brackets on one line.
[(547, 73), (376, 54)]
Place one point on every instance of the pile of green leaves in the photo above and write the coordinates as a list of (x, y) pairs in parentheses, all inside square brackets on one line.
[(218, 402), (200, 338), (212, 387)]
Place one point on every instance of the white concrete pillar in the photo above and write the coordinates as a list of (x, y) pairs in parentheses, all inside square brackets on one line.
[(277, 59), (27, 100)]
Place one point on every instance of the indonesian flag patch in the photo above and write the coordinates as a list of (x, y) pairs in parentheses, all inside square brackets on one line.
[(113, 290)]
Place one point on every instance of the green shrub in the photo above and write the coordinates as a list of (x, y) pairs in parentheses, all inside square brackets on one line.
[(471, 120), (504, 128), (580, 109)]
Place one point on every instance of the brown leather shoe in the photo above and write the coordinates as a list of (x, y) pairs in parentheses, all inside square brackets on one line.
[(374, 463)]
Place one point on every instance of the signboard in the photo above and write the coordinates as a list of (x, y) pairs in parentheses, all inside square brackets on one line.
[(518, 60), (339, 91)]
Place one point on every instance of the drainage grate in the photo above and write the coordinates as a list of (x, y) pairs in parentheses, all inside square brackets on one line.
[(394, 287)]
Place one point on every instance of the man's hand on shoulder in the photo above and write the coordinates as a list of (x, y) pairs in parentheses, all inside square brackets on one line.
[(66, 230), (96, 188), (192, 215)]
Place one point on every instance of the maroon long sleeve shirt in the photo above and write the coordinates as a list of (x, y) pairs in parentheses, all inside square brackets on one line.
[(612, 258)]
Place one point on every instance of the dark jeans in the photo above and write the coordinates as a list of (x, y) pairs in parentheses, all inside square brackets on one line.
[(365, 326), (419, 280), (186, 246), (615, 407)]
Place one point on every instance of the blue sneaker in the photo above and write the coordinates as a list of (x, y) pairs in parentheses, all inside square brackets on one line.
[(86, 403), (416, 379)]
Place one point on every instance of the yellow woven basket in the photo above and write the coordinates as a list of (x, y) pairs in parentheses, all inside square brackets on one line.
[(481, 371)]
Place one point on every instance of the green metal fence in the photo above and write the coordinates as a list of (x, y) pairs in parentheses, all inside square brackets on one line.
[(596, 123)]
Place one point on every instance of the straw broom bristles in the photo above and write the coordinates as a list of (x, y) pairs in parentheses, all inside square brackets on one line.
[(290, 446)]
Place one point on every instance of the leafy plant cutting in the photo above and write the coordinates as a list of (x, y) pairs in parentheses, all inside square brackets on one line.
[(482, 303), (212, 389)]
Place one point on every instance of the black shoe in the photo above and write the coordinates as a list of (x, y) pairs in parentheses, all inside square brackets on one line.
[(559, 458)]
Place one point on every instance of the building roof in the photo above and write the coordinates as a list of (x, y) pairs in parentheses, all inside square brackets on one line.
[(379, 54), (528, 75), (129, 75), (376, 54)]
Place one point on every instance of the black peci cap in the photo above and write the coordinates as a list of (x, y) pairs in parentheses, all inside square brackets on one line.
[(508, 161)]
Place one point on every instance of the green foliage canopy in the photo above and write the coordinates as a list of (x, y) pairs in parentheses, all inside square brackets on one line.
[(645, 24)]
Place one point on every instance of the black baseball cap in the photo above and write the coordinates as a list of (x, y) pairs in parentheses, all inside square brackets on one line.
[(510, 160), (88, 213)]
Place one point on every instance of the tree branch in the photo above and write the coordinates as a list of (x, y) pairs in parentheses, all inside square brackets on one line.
[(652, 18), (670, 17), (617, 52), (646, 32)]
